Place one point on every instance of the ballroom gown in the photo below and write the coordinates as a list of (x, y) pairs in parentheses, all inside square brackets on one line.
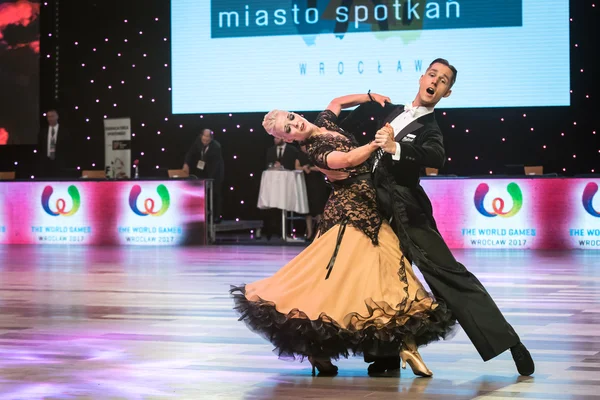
[(352, 291)]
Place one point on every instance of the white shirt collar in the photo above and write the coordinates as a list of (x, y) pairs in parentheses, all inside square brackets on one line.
[(418, 111)]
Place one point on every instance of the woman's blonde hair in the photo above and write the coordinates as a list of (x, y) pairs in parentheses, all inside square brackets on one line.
[(269, 122)]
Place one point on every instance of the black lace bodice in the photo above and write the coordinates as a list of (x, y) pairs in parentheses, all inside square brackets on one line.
[(352, 200), (318, 147)]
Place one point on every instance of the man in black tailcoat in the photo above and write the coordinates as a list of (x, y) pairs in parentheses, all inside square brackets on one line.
[(411, 140)]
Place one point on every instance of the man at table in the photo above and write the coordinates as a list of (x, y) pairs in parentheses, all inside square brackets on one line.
[(55, 146), (282, 155), (205, 160)]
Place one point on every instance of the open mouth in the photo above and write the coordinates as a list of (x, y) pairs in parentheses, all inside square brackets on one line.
[(431, 91), (302, 126)]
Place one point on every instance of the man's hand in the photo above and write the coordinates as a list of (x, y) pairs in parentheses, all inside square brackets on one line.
[(380, 99), (306, 169), (186, 168), (277, 164), (384, 138)]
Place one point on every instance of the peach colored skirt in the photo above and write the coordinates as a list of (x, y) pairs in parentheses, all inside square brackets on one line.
[(368, 304)]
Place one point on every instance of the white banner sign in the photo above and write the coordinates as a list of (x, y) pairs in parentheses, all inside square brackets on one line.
[(117, 142)]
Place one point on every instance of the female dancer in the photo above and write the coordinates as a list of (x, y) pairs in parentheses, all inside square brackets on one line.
[(351, 291)]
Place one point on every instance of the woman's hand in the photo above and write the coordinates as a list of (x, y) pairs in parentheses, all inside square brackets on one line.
[(373, 145)]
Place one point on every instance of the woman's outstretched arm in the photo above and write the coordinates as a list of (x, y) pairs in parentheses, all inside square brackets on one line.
[(340, 159), (351, 100)]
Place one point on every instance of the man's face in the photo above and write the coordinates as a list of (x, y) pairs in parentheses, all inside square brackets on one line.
[(277, 141), (206, 137), (52, 117), (437, 80)]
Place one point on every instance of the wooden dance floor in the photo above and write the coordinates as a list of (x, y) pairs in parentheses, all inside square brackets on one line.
[(157, 323)]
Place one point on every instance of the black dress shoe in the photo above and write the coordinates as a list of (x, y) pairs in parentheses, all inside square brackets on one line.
[(523, 359), (383, 365)]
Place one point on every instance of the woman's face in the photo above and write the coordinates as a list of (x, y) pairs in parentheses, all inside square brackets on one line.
[(290, 126)]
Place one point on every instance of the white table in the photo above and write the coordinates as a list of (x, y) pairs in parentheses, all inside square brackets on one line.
[(285, 190)]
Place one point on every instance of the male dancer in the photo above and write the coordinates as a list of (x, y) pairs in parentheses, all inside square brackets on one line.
[(411, 140)]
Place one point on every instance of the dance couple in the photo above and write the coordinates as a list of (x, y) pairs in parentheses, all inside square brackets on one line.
[(353, 290)]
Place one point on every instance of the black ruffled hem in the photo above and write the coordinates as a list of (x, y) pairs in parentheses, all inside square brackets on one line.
[(295, 335)]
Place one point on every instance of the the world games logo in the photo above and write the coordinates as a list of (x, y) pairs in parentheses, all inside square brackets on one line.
[(163, 193), (498, 203), (588, 196), (61, 204)]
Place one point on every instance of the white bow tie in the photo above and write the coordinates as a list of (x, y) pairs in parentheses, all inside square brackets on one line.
[(411, 109)]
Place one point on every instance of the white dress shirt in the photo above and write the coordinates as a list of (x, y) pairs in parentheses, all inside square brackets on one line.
[(50, 139), (204, 151), (280, 148), (408, 116)]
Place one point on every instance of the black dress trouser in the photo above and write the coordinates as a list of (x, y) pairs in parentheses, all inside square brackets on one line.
[(464, 295)]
